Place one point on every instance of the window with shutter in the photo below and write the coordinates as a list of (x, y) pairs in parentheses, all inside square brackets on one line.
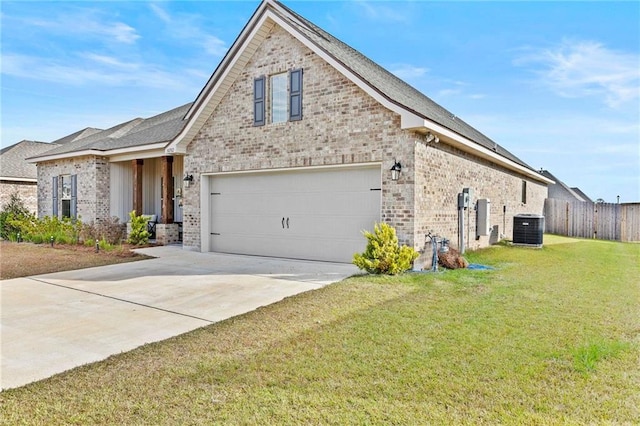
[(295, 95), (66, 195), (54, 191), (259, 101), (278, 87)]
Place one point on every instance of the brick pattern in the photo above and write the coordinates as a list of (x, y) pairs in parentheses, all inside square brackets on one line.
[(444, 171), (167, 233), (342, 125), (93, 186), (27, 191)]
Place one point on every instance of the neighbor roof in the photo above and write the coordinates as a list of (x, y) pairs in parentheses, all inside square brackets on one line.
[(77, 135), (559, 187), (138, 132), (584, 196), (13, 165)]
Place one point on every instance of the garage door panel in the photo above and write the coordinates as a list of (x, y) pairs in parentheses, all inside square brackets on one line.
[(327, 209)]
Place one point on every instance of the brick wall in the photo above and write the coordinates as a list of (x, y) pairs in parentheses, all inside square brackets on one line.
[(444, 171), (27, 191), (92, 190), (342, 125)]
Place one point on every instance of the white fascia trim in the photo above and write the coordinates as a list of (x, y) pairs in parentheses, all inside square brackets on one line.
[(17, 179), (460, 142), (175, 147), (150, 151), (145, 151), (408, 119), (66, 155)]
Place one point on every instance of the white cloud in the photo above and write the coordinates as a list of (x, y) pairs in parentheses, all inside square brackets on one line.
[(380, 12), (587, 69), (187, 27), (408, 72), (110, 61), (160, 13), (84, 23), (101, 70)]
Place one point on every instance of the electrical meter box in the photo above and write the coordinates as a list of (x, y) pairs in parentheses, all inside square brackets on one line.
[(484, 217)]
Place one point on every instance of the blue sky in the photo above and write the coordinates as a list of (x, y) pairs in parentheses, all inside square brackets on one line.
[(556, 83)]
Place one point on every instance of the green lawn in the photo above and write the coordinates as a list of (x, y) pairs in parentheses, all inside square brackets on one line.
[(552, 336)]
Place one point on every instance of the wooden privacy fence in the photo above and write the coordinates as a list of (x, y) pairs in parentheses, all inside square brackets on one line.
[(604, 221)]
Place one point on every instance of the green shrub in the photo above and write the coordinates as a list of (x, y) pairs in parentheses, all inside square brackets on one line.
[(139, 234), (105, 245), (13, 213), (63, 231), (383, 254)]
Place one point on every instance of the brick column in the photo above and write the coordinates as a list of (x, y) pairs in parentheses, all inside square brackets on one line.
[(137, 185), (167, 190)]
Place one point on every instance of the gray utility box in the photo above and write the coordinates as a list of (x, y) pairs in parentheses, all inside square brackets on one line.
[(528, 229), (484, 217)]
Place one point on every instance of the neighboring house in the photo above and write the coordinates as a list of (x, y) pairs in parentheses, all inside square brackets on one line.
[(560, 191), (108, 173), (287, 151), (582, 195), (18, 176)]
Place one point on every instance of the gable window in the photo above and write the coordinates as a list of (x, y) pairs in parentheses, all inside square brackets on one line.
[(285, 98), (524, 192), (278, 85)]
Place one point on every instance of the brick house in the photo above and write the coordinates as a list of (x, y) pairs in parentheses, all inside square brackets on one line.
[(17, 175), (289, 148), (99, 174)]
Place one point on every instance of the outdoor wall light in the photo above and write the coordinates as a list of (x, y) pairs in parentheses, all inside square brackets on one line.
[(187, 180), (395, 170)]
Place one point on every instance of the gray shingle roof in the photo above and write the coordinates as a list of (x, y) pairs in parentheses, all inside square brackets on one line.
[(560, 190), (13, 163), (393, 88), (77, 135), (137, 132)]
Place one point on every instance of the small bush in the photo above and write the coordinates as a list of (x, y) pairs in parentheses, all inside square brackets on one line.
[(12, 215), (383, 254), (110, 230), (139, 234)]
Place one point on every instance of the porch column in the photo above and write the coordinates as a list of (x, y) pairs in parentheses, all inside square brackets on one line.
[(137, 185), (167, 190)]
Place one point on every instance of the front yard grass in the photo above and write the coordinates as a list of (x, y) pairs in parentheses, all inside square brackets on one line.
[(551, 336), (24, 259)]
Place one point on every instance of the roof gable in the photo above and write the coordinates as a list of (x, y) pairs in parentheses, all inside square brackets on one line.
[(417, 111), (13, 164)]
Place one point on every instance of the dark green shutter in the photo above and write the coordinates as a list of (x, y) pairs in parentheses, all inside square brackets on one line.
[(259, 91), (295, 95), (54, 190), (74, 196)]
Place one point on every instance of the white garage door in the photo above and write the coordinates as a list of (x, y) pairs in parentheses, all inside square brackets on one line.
[(316, 214)]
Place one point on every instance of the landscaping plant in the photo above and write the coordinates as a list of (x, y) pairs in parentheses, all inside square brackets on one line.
[(12, 214), (139, 234), (383, 254)]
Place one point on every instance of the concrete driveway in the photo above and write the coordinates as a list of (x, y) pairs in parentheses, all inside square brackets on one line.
[(54, 322)]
